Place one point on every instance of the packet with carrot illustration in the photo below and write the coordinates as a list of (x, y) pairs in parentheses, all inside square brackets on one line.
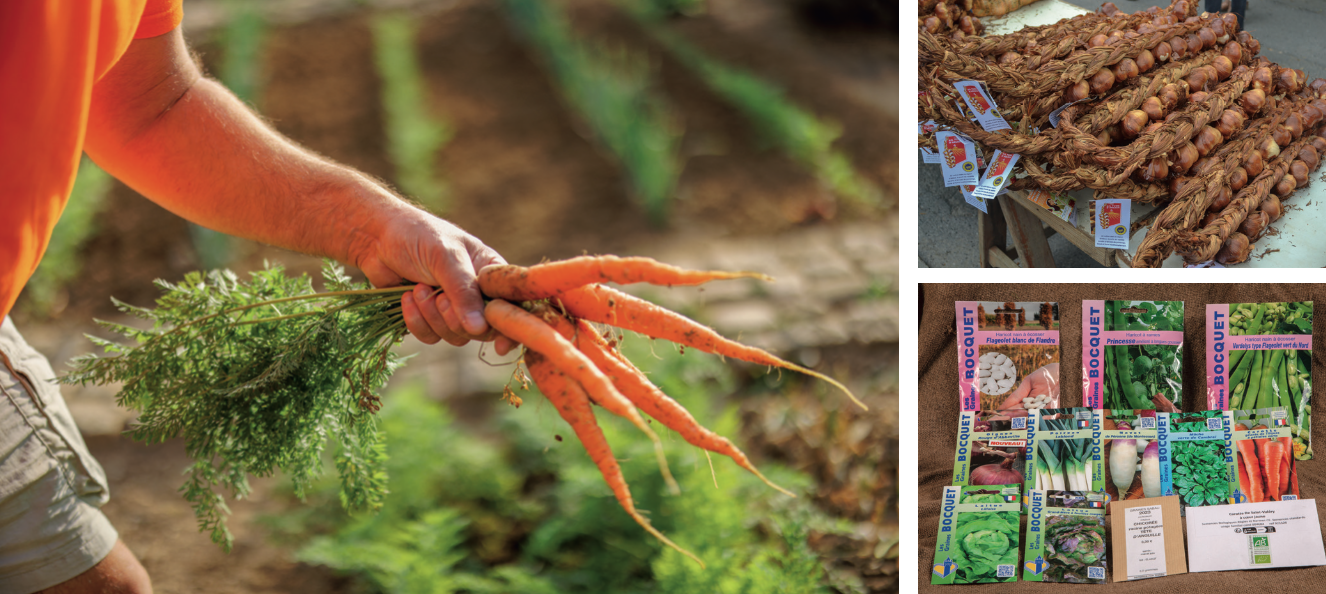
[(1008, 355), (1132, 354), (991, 448), (1128, 459), (1259, 356), (1065, 539), (1061, 444), (978, 535), (1263, 456)]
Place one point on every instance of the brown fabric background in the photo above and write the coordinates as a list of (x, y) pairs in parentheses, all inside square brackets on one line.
[(938, 410)]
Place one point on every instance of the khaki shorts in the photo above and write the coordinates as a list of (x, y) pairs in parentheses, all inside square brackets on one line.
[(51, 489)]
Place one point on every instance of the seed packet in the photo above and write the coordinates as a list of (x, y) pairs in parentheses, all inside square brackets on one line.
[(978, 535), (1065, 537), (1263, 456), (1259, 355), (1060, 450), (1129, 455), (1008, 355), (991, 449), (1132, 354), (1196, 456)]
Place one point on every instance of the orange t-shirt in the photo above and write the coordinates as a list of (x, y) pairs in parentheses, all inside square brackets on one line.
[(51, 53)]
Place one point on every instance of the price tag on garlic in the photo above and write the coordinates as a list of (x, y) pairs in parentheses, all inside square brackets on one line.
[(998, 174), (1112, 223), (982, 106), (959, 159), (974, 200)]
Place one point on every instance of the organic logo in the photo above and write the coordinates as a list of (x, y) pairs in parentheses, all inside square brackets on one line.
[(997, 181), (968, 167), (1121, 229)]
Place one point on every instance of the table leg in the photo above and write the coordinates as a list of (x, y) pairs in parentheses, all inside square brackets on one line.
[(991, 232), (1028, 235)]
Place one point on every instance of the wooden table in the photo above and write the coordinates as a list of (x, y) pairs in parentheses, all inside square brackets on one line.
[(1030, 226)]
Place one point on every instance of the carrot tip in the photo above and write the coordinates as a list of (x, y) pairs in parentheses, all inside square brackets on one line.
[(712, 473), (663, 464), (834, 382), (659, 535)]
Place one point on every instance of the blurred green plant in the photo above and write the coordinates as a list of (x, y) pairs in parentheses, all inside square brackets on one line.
[(414, 136), (456, 495), (780, 122), (77, 224), (673, 8), (610, 89)]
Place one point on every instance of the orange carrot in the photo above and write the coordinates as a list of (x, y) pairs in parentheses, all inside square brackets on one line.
[(598, 303), (533, 332), (541, 281), (573, 405), (1288, 463), (633, 383), (1293, 482), (1248, 455), (612, 400), (1271, 452), (1284, 477)]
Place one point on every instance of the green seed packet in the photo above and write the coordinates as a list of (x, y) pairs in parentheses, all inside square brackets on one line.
[(978, 535)]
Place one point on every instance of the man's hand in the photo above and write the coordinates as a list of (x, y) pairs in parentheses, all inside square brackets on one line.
[(1042, 381), (417, 247)]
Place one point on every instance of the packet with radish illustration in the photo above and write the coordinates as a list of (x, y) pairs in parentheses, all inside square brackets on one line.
[(1061, 446), (1263, 456), (1065, 537), (1259, 355), (991, 448), (1128, 460), (1196, 457), (1008, 355), (977, 543), (1132, 354)]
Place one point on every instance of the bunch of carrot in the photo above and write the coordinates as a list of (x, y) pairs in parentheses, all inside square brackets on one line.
[(548, 309), (1266, 467)]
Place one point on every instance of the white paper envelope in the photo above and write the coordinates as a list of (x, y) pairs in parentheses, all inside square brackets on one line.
[(1254, 536)]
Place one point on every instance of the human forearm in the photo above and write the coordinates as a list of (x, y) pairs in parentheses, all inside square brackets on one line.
[(206, 157)]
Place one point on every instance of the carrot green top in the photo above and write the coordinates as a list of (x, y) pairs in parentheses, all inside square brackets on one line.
[(51, 55)]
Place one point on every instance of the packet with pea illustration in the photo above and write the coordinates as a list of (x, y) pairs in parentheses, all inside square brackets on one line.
[(1132, 355), (1008, 355), (1259, 356)]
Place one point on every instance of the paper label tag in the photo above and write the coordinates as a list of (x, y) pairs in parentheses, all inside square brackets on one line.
[(997, 175), (1112, 222), (929, 156), (959, 159), (1061, 205), (983, 108), (1146, 542), (969, 194), (927, 127)]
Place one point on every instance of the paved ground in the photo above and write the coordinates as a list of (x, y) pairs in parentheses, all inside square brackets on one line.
[(1290, 32)]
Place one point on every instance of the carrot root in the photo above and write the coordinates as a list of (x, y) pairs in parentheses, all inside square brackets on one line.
[(608, 306), (572, 404), (632, 382), (541, 281)]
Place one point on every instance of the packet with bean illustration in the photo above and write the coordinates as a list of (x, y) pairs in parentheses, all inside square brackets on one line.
[(979, 526), (1008, 355), (1065, 537), (1132, 355), (1259, 356), (991, 448)]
